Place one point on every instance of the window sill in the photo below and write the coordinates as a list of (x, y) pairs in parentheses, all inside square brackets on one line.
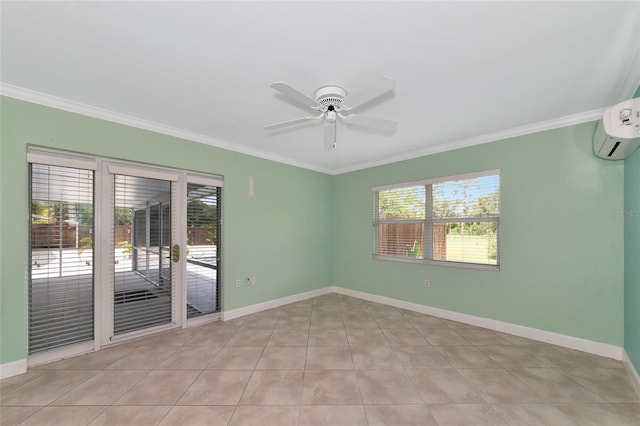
[(463, 265)]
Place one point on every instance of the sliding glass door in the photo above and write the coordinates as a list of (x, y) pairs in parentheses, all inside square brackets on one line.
[(203, 242), (61, 278), (117, 251), (142, 269)]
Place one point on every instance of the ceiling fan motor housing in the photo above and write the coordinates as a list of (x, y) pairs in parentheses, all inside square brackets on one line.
[(330, 96)]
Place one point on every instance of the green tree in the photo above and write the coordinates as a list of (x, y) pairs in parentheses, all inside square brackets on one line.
[(402, 203), (122, 216)]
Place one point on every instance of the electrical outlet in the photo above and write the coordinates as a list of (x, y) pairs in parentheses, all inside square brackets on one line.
[(253, 281), (238, 283), (427, 284)]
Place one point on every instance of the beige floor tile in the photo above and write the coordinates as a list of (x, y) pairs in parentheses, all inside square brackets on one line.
[(387, 387), (190, 358), (289, 338), (64, 416), (236, 358), (10, 416), (443, 386), (273, 387), (143, 358), (329, 358), (394, 323), (427, 322), (133, 416), (366, 338), (11, 383), (159, 387), (258, 323), (466, 356), (287, 358), (353, 362), (512, 356), (467, 415), (360, 324), (92, 361), (170, 338), (263, 415), (328, 338), (250, 338), (330, 387), (332, 415), (556, 386), (46, 387), (102, 389), (420, 357), (375, 358), (443, 336), (613, 385), (216, 387), (498, 385), (333, 322), (212, 337), (404, 338), (480, 336), (293, 323), (561, 357), (395, 415), (208, 415), (532, 415), (600, 414)]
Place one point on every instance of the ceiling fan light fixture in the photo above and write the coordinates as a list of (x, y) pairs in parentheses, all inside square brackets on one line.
[(329, 101), (330, 96)]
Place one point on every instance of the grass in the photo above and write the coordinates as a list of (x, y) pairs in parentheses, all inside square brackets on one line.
[(469, 248)]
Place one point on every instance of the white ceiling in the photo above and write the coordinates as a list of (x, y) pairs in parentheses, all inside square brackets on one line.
[(466, 73)]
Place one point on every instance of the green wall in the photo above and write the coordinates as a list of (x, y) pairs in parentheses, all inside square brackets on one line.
[(561, 247), (281, 235), (631, 256), (561, 243)]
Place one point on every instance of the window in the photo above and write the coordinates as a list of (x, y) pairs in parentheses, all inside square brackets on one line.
[(61, 266), (452, 220)]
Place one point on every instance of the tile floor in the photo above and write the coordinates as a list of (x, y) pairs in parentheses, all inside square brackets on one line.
[(332, 360)]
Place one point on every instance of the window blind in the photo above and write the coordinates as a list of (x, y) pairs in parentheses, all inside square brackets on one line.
[(61, 267), (143, 293), (204, 205), (453, 219)]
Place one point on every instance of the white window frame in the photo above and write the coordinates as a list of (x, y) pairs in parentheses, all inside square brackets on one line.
[(428, 221)]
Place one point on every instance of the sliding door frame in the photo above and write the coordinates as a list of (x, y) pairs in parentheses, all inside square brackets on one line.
[(104, 172)]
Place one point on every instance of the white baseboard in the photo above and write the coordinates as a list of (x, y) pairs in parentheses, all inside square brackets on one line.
[(275, 303), (14, 368), (632, 371), (596, 348)]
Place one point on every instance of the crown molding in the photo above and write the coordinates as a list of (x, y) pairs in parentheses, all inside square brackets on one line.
[(570, 120), (39, 98), (32, 96)]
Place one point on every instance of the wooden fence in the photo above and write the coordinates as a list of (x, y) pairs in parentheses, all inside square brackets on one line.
[(53, 235), (405, 239)]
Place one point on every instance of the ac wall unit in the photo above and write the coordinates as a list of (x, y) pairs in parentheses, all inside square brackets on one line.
[(618, 133)]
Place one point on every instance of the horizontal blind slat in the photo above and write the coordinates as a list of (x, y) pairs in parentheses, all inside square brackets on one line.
[(61, 283)]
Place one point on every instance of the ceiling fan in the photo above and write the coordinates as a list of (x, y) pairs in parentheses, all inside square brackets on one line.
[(332, 102)]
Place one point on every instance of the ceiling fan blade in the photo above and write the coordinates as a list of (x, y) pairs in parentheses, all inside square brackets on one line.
[(380, 86), (330, 136), (296, 95), (290, 123), (375, 123)]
